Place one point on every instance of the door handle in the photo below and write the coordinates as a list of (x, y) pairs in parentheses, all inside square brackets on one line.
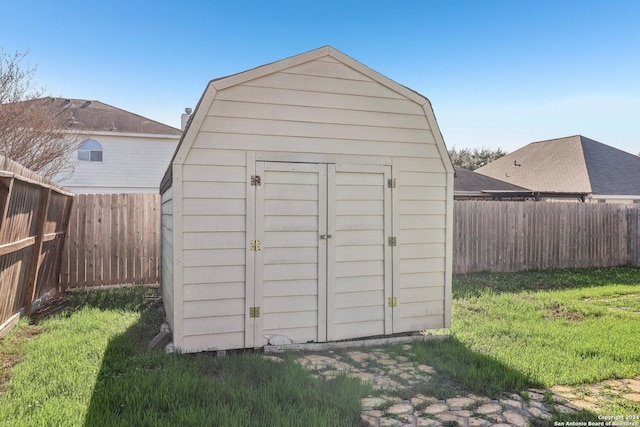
[(325, 236)]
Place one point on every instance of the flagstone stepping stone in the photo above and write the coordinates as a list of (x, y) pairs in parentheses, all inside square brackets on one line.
[(477, 422), (363, 376), (436, 408), (427, 422), (511, 402), (514, 418), (373, 402), (400, 408), (537, 413), (460, 402), (488, 408)]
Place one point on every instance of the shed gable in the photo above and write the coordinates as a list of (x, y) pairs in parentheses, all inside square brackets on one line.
[(323, 88)]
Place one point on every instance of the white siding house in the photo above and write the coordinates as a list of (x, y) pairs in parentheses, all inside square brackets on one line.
[(118, 151), (309, 198)]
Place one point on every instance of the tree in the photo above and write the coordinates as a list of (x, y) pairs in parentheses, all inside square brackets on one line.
[(31, 133), (474, 158)]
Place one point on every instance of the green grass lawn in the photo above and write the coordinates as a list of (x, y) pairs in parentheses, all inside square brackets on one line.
[(565, 327), (89, 366)]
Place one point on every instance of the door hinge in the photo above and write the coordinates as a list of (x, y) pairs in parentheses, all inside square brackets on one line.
[(391, 183), (392, 241), (255, 245), (254, 312), (255, 180), (392, 302)]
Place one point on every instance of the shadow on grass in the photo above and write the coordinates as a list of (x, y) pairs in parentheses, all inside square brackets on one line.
[(150, 388), (461, 371), (467, 371), (470, 285)]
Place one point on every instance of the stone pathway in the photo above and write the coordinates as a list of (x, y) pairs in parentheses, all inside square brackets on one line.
[(397, 377), (592, 396)]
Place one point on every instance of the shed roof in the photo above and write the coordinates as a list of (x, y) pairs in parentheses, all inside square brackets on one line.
[(222, 83), (572, 164), (95, 116)]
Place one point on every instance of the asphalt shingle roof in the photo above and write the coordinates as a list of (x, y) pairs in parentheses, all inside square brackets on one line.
[(95, 116), (572, 164), (611, 171), (467, 181)]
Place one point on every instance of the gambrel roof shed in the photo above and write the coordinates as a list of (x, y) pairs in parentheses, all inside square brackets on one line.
[(309, 200)]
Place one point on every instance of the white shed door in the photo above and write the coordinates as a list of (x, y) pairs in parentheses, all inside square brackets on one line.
[(359, 266), (323, 271)]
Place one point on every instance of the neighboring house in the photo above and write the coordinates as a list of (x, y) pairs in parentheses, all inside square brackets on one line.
[(469, 185), (571, 165), (118, 151), (309, 200)]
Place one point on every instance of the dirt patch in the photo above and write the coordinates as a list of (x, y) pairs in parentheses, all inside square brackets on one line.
[(556, 311)]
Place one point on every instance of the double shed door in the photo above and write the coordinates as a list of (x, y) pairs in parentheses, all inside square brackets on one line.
[(322, 268)]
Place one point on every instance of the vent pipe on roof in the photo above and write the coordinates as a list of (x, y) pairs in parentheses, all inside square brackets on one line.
[(185, 118)]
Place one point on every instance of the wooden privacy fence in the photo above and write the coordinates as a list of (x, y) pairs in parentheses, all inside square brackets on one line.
[(113, 239), (513, 236), (33, 223)]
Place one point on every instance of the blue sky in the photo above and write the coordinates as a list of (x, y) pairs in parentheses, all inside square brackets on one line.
[(498, 73)]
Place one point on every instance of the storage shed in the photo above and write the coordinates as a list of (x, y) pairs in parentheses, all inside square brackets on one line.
[(310, 198)]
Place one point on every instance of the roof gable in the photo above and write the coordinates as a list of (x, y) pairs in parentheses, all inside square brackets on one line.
[(323, 52)]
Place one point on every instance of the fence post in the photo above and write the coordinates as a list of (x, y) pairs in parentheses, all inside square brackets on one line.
[(36, 251), (5, 208)]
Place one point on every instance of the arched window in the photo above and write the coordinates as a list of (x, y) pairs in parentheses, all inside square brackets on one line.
[(90, 151)]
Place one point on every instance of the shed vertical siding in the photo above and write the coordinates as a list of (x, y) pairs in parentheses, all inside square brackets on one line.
[(319, 111)]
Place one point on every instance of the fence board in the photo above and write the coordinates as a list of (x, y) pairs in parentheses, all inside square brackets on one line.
[(513, 236), (117, 240), (633, 243), (32, 222)]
